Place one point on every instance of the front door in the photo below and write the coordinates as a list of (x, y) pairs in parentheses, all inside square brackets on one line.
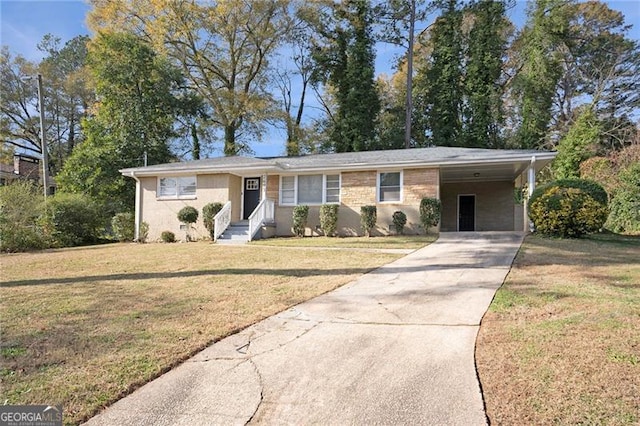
[(251, 197), (466, 213)]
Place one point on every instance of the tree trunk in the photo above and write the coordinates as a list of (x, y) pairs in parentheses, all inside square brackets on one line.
[(230, 148)]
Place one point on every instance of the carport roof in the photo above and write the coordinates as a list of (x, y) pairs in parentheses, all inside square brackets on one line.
[(455, 163)]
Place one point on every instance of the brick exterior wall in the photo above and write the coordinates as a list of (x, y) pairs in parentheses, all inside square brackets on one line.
[(359, 189)]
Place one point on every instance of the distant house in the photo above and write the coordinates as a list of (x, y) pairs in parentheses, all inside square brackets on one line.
[(24, 167), (477, 188)]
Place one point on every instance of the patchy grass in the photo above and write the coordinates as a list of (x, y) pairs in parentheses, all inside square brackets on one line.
[(560, 343), (83, 327), (387, 242)]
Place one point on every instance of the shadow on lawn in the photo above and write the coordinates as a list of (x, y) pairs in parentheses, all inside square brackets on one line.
[(293, 272)]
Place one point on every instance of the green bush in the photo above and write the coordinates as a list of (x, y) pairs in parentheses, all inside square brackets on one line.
[(567, 211), (430, 210), (590, 187), (399, 221), (20, 206), (625, 205), (188, 215), (368, 218), (329, 219), (168, 237), (625, 212), (300, 215), (143, 232), (124, 226), (72, 220), (209, 213)]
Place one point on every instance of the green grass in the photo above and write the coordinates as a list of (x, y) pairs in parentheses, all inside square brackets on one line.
[(83, 327), (560, 342), (387, 242)]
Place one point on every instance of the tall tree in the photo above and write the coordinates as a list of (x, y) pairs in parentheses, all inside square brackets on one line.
[(540, 69), (286, 79), (223, 48), (399, 18), (132, 122), (346, 61), (19, 118), (483, 114), (601, 66), (441, 85), (68, 94)]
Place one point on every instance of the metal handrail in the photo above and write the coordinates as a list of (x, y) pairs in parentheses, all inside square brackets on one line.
[(222, 220), (264, 212)]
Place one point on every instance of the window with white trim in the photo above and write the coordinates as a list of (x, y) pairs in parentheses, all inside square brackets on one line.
[(389, 187), (177, 187), (309, 189)]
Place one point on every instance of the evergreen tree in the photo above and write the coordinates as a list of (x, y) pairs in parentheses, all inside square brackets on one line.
[(346, 63), (362, 104), (483, 114), (442, 83)]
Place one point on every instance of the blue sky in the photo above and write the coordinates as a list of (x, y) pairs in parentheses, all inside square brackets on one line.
[(23, 23)]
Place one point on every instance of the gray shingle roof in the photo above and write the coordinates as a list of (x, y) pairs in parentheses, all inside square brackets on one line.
[(348, 160)]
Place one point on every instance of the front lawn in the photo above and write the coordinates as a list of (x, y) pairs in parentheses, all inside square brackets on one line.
[(83, 327), (388, 242), (560, 343)]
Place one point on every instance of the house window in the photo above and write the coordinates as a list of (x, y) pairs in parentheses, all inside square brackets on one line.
[(288, 190), (309, 189), (389, 187), (176, 187)]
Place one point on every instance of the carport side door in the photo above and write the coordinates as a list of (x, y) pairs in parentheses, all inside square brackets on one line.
[(466, 213)]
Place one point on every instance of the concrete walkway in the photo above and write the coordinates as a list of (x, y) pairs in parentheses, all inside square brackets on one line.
[(394, 347)]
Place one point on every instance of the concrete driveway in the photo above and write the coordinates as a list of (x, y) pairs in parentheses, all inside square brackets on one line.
[(394, 347)]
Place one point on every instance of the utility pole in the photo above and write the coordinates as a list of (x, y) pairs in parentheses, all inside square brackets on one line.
[(43, 140)]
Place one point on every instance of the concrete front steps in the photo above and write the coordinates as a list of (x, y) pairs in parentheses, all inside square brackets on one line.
[(236, 233)]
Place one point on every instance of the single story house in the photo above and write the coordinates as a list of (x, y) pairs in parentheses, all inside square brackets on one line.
[(478, 189)]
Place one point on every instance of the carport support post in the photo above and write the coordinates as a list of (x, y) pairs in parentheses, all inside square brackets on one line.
[(138, 207), (531, 187)]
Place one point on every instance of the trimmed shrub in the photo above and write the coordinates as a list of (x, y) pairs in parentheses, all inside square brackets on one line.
[(329, 219), (72, 220), (124, 226), (168, 237), (399, 221), (300, 215), (430, 210), (368, 218), (567, 208), (590, 187), (188, 215), (143, 233), (209, 212), (20, 206)]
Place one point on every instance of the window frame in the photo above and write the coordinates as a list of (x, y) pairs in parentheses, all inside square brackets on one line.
[(179, 195), (324, 189), (378, 187)]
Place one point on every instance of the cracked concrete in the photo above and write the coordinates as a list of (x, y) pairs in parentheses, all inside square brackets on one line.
[(395, 346)]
